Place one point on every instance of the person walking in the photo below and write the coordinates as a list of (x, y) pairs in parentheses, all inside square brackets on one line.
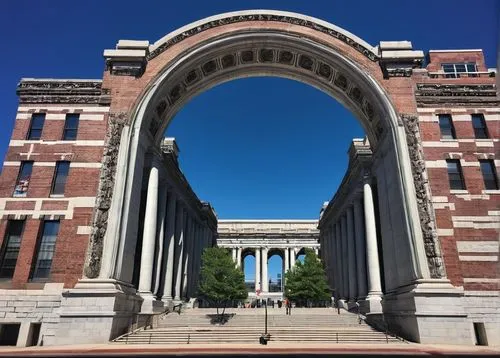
[(289, 307), (286, 305)]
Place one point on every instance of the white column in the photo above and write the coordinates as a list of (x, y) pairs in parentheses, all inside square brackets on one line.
[(179, 250), (170, 245), (234, 253), (345, 272), (265, 278), (258, 279), (149, 235), (287, 259), (238, 257), (187, 257), (292, 257), (162, 226), (338, 263), (333, 259), (351, 247), (359, 229), (374, 284), (316, 251)]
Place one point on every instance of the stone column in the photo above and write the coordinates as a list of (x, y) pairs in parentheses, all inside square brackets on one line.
[(345, 272), (234, 253), (162, 226), (287, 260), (333, 259), (238, 257), (265, 278), (351, 247), (374, 284), (179, 240), (170, 245), (359, 229), (192, 258), (338, 262), (149, 236), (292, 257), (187, 257), (258, 279)]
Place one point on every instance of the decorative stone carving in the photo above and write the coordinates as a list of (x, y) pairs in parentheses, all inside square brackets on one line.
[(453, 94), (423, 194), (262, 17), (60, 91), (116, 122)]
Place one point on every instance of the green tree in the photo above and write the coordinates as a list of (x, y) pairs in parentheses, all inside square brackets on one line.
[(221, 281), (307, 281)]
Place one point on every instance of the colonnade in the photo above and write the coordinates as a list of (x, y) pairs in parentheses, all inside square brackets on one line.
[(177, 227), (348, 237)]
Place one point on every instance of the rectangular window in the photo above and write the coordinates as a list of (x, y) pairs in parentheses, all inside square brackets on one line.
[(36, 126), (45, 252), (60, 176), (455, 174), (10, 249), (457, 70), (479, 125), (71, 126), (23, 179), (489, 174), (446, 127)]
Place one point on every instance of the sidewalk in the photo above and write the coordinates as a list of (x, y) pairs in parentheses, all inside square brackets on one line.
[(273, 348)]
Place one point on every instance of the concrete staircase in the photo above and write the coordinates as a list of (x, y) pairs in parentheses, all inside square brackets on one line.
[(246, 325)]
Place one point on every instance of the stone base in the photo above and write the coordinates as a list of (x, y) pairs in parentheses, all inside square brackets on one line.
[(370, 305), (150, 304), (429, 311), (96, 311)]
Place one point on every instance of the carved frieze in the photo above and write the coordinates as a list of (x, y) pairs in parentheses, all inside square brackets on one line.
[(457, 94), (116, 122), (262, 17), (60, 91), (424, 197)]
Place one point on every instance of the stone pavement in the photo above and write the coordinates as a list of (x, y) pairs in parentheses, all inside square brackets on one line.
[(273, 348)]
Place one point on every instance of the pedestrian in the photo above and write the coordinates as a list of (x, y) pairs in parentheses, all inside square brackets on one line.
[(289, 307), (286, 305)]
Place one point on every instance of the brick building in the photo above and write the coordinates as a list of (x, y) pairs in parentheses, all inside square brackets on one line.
[(77, 184)]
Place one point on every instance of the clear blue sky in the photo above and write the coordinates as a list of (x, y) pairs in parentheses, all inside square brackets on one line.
[(255, 148)]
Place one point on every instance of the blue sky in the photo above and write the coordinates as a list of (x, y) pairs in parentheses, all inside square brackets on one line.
[(255, 148)]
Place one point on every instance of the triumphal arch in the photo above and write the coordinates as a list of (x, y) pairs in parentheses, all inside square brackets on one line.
[(397, 238)]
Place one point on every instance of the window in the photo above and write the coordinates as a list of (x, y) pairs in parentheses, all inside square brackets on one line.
[(489, 174), (10, 250), (45, 252), (61, 174), (446, 127), (71, 126), (23, 179), (457, 70), (479, 125), (36, 126), (455, 175)]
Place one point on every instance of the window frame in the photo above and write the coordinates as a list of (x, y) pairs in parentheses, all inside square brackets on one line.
[(459, 74), (24, 194), (35, 266), (459, 172), (5, 247), (67, 128), (452, 126), (55, 176), (484, 127), (29, 135), (493, 174)]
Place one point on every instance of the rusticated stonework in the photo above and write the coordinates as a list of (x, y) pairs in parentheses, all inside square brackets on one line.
[(262, 17), (424, 196), (116, 122)]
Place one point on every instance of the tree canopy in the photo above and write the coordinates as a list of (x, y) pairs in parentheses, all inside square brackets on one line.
[(221, 281), (307, 281)]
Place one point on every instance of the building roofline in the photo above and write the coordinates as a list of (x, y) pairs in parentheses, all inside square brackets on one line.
[(268, 220), (60, 79), (460, 50)]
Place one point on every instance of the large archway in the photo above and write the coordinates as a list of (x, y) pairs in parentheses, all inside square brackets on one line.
[(148, 85)]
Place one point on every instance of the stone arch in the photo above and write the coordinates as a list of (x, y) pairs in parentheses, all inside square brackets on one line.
[(162, 77)]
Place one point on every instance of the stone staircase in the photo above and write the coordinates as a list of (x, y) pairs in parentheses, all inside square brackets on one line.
[(246, 325)]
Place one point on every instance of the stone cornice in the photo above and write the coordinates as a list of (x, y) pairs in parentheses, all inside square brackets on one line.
[(69, 91)]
